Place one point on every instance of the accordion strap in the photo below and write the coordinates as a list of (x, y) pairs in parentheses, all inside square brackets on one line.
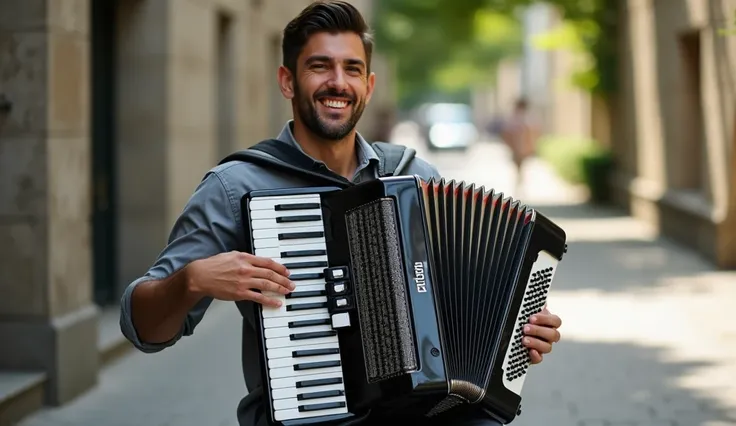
[(280, 156), (391, 157), (277, 155)]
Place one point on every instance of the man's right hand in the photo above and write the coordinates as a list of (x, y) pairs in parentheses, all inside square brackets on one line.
[(234, 276)]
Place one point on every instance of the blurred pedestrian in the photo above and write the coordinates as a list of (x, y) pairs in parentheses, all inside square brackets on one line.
[(520, 133)]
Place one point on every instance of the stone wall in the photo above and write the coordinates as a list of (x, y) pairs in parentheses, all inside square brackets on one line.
[(46, 314), (674, 121)]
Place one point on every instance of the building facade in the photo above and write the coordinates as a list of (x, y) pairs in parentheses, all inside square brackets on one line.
[(674, 121), (110, 114)]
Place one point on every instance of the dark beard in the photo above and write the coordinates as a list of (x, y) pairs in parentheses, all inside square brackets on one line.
[(322, 128)]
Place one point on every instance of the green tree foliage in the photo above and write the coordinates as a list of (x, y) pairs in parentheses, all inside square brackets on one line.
[(444, 48)]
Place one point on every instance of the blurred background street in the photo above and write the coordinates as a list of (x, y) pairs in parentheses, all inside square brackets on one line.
[(623, 112)]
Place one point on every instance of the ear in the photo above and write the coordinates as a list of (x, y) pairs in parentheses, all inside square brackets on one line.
[(371, 83), (286, 82)]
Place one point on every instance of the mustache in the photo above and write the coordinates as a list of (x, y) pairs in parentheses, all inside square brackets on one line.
[(332, 93)]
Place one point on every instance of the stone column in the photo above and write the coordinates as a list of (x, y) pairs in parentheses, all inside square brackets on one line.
[(47, 320)]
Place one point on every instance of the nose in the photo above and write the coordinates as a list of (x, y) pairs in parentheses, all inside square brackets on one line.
[(337, 79)]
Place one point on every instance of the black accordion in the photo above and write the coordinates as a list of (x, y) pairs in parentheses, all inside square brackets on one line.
[(410, 300)]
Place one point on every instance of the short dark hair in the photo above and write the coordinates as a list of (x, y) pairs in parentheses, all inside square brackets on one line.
[(331, 16)]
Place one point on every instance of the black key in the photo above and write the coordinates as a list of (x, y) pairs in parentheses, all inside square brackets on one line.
[(323, 394), (319, 382), (312, 335), (302, 265), (312, 276), (300, 206), (316, 365), (304, 218), (301, 294), (306, 306), (309, 323), (303, 253), (315, 352), (317, 407), (300, 235)]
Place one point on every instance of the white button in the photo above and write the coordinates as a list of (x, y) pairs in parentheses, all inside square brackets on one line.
[(341, 320), (337, 273), (339, 288), (342, 302)]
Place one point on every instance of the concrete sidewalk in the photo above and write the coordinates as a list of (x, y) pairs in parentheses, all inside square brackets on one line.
[(647, 335)]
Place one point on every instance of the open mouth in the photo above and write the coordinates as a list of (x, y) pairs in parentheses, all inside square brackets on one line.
[(334, 103)]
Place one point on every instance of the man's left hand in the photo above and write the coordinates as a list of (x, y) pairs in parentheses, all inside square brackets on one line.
[(541, 333)]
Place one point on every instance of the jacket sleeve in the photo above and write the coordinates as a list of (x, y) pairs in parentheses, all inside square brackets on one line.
[(207, 226)]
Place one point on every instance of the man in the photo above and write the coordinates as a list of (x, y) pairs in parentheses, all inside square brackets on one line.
[(326, 75), (520, 133)]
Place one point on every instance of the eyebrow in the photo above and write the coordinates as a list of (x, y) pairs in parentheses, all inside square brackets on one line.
[(325, 58)]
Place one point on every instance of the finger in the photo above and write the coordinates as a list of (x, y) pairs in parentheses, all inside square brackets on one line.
[(539, 345), (548, 334), (264, 262), (266, 285), (262, 299), (535, 356), (272, 277), (550, 320)]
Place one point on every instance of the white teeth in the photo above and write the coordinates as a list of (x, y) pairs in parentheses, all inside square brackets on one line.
[(335, 104)]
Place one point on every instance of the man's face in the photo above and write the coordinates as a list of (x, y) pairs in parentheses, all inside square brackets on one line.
[(332, 86)]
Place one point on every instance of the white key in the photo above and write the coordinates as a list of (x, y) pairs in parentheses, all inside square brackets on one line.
[(281, 415), (286, 245), (271, 333), (292, 392), (273, 233), (317, 270), (268, 214), (284, 226), (285, 352), (297, 260), (281, 311), (284, 404), (275, 252), (284, 321), (290, 362), (270, 203), (278, 373), (285, 342), (309, 287), (290, 382)]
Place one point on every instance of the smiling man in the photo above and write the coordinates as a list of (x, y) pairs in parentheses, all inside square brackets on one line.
[(326, 75)]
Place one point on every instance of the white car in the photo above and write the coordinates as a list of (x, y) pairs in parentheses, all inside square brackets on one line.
[(449, 126)]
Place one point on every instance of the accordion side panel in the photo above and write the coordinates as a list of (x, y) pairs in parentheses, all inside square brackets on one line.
[(381, 290)]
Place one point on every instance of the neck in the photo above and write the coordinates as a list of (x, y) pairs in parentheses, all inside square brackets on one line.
[(338, 155)]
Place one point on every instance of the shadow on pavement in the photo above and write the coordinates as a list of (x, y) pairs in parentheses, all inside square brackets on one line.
[(616, 384)]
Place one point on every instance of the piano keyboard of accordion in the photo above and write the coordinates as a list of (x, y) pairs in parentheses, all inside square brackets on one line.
[(410, 301)]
